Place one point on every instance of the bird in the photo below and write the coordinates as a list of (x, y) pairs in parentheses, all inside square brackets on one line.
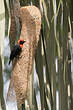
[(16, 50)]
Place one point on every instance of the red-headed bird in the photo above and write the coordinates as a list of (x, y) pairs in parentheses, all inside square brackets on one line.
[(16, 50)]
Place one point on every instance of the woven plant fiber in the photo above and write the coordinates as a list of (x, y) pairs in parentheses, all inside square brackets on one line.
[(31, 23)]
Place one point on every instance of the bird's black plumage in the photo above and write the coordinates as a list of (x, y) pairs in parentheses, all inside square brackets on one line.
[(15, 52)]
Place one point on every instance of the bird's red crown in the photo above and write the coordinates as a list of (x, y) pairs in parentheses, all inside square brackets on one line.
[(21, 42)]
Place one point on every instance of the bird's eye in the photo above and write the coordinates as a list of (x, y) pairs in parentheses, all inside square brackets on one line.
[(21, 42)]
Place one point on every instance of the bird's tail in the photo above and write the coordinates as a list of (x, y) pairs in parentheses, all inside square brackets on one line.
[(9, 62)]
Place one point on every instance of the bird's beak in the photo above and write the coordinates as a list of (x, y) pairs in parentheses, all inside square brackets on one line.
[(24, 41)]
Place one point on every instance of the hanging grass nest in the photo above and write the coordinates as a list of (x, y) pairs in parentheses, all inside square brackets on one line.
[(30, 17)]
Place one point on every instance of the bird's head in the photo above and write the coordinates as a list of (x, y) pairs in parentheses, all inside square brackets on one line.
[(21, 42)]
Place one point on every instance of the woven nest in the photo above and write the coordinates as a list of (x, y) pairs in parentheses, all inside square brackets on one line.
[(31, 23)]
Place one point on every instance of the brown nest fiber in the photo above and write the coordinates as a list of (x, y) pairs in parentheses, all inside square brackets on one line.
[(31, 23)]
